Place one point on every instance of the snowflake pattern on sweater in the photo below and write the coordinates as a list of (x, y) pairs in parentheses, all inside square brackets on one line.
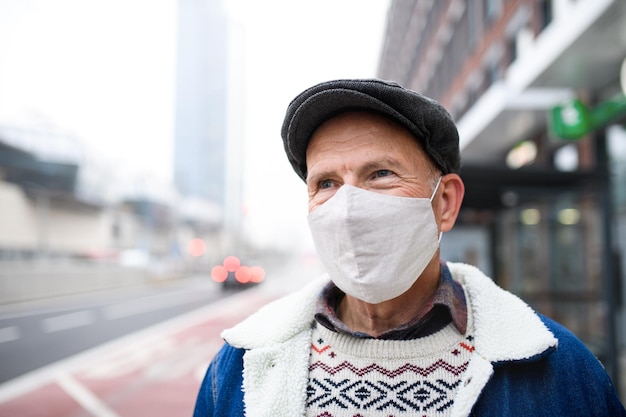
[(350, 377)]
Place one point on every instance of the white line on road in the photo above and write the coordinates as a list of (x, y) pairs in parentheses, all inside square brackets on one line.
[(144, 305), (68, 321), (84, 397), (226, 306), (8, 334)]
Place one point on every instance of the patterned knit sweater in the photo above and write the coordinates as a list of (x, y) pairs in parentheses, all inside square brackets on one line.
[(351, 377)]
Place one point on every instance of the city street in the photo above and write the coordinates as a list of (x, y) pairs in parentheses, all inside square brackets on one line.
[(88, 321), (155, 371)]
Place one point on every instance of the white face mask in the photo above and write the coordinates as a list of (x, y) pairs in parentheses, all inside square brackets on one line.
[(374, 246)]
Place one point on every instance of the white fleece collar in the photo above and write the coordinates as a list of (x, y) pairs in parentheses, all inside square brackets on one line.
[(505, 328)]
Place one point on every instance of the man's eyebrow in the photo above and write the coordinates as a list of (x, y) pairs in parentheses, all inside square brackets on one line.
[(385, 163), (313, 179)]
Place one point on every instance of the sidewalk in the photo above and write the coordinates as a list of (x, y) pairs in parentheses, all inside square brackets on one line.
[(156, 372)]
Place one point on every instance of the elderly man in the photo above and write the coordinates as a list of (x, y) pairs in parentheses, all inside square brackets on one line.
[(391, 330)]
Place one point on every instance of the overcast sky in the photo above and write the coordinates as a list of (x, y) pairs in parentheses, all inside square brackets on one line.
[(102, 69), (105, 70)]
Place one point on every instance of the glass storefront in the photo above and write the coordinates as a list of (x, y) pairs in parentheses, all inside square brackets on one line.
[(549, 253), (544, 235)]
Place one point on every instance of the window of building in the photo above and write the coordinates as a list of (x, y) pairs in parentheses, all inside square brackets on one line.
[(491, 10), (511, 49), (470, 20), (493, 74), (545, 8)]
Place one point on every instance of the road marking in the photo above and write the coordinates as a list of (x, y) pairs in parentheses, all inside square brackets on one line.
[(225, 307), (143, 305), (84, 397), (132, 358), (8, 334), (68, 321)]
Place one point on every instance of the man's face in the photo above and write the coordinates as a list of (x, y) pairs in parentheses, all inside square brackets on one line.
[(368, 151)]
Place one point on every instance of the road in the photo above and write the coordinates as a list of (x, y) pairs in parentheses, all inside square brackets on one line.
[(41, 333), (153, 372)]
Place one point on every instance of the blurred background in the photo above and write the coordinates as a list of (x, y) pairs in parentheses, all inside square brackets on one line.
[(142, 170)]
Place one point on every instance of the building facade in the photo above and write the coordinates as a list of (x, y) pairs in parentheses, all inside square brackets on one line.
[(544, 212)]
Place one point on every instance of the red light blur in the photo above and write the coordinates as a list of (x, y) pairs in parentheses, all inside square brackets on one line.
[(219, 273), (231, 263), (196, 247), (257, 274), (243, 274)]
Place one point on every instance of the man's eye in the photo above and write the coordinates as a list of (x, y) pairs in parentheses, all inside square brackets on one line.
[(326, 184), (382, 173)]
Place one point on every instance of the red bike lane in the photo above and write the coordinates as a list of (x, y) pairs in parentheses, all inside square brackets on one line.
[(155, 372)]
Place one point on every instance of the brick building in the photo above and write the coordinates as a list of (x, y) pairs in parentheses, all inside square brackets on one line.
[(534, 86)]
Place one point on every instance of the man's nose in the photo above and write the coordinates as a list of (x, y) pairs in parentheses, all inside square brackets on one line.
[(351, 179)]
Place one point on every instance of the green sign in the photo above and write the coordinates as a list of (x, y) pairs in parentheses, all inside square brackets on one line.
[(573, 120)]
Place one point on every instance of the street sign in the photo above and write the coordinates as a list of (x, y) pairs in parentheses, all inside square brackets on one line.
[(573, 120)]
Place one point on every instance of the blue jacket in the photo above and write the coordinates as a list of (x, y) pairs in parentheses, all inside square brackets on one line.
[(524, 364)]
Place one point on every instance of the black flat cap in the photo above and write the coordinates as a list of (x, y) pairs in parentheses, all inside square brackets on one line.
[(426, 119)]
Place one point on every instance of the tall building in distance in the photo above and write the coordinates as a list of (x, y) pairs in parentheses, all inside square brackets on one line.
[(200, 151)]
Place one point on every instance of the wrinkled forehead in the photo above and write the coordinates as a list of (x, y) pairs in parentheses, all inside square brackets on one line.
[(375, 123)]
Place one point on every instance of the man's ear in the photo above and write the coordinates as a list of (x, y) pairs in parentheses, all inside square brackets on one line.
[(452, 194)]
